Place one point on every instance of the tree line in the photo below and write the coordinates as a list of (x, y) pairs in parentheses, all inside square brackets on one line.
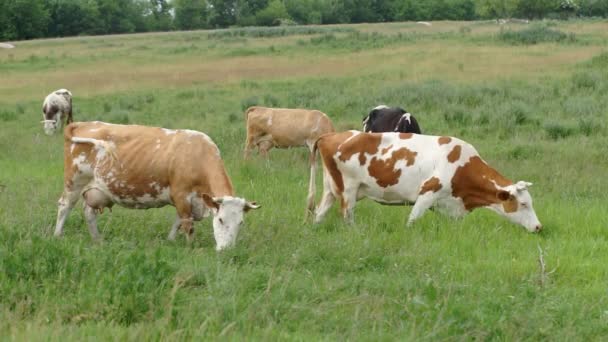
[(28, 19)]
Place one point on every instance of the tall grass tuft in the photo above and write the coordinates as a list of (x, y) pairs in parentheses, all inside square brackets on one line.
[(557, 131), (535, 34)]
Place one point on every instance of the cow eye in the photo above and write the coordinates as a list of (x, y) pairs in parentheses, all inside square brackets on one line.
[(524, 205), (221, 221)]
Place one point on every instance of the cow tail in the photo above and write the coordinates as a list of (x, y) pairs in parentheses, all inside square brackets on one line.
[(310, 208)]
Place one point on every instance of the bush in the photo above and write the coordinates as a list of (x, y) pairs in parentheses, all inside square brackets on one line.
[(7, 116), (250, 101), (588, 127), (557, 131), (535, 34)]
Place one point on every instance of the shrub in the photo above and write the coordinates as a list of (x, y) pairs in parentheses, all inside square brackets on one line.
[(557, 131), (584, 80), (271, 101), (535, 34), (588, 126), (7, 116), (250, 101)]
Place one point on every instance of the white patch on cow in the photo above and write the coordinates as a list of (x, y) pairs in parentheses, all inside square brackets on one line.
[(365, 123), (81, 163), (406, 116), (72, 148), (192, 132), (94, 129), (380, 107), (169, 131)]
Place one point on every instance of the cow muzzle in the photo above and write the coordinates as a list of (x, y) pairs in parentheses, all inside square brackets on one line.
[(50, 126)]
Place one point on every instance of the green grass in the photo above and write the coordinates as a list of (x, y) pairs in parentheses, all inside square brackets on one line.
[(536, 113)]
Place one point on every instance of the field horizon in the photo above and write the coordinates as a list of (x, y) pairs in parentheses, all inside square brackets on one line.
[(530, 97)]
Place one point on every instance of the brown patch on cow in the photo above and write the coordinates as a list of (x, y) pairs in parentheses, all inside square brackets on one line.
[(384, 170), (385, 150), (510, 205), (405, 135), (444, 140), (454, 155), (473, 182), (328, 145), (431, 184), (361, 144)]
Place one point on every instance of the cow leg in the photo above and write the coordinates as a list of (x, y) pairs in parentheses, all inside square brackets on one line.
[(249, 145), (264, 147), (70, 118), (424, 202), (327, 200), (184, 214), (91, 216), (348, 201), (65, 204), (174, 228)]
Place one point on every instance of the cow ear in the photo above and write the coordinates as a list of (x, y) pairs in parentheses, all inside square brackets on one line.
[(211, 202), (503, 195), (251, 205), (522, 185)]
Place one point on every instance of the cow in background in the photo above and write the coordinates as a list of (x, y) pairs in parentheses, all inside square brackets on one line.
[(403, 168), (149, 167), (390, 119), (282, 128), (57, 109)]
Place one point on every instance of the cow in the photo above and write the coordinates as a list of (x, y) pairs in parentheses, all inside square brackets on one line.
[(406, 168), (56, 108), (390, 119), (149, 167), (281, 127)]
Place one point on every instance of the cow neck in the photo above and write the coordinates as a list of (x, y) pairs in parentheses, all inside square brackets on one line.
[(220, 184), (478, 184)]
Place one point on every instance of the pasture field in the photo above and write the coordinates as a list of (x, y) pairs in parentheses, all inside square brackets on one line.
[(531, 98)]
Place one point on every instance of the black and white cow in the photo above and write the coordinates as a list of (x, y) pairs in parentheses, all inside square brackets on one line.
[(390, 119), (56, 108)]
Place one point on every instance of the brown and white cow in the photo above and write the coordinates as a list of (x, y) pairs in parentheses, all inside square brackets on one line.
[(281, 127), (56, 108), (149, 167), (397, 168)]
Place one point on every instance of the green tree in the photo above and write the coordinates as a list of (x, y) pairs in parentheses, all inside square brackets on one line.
[(161, 19), (191, 14), (536, 9), (270, 15), (496, 8), (223, 13), (73, 17), (23, 19)]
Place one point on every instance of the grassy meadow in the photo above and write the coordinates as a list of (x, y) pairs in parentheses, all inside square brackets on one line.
[(531, 98)]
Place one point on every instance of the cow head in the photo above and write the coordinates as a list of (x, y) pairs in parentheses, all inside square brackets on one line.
[(228, 215), (369, 119), (516, 205), (52, 116)]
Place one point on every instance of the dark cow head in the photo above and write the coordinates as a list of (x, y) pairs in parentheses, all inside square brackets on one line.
[(390, 119)]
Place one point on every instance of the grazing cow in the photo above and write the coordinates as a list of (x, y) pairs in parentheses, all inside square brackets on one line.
[(390, 119), (56, 108), (398, 168), (280, 127), (149, 167)]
